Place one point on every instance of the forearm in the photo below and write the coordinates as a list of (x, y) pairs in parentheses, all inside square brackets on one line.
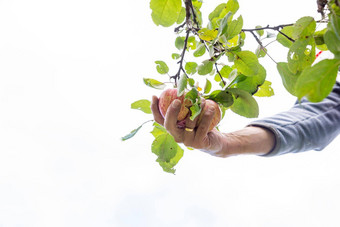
[(249, 140)]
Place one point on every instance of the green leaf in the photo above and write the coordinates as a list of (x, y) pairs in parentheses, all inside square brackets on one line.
[(191, 82), (246, 63), (197, 3), (234, 28), (304, 28), (162, 67), (175, 56), (288, 78), (335, 24), (332, 42), (158, 130), (217, 11), (224, 24), (200, 51), (232, 6), (251, 84), (167, 151), (261, 51), (212, 72), (154, 83), (179, 42), (205, 68), (225, 71), (182, 85), (198, 13), (301, 54), (319, 39), (221, 97), (195, 111), (192, 43), (221, 10), (288, 31), (317, 81), (165, 12), (207, 86), (191, 67), (244, 104), (265, 90), (181, 16), (133, 132), (318, 36), (192, 95), (259, 32), (232, 75), (207, 34), (224, 110), (195, 100), (217, 78), (143, 105)]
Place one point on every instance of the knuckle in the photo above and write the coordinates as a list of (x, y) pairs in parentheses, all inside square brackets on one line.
[(177, 139)]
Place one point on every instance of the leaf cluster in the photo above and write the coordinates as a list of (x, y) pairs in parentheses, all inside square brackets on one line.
[(300, 75)]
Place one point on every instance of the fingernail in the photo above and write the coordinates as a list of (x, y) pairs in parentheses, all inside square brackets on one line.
[(176, 103), (211, 109)]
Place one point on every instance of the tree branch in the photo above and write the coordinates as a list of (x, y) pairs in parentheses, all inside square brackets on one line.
[(276, 28)]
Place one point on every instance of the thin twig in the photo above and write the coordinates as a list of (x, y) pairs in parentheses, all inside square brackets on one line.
[(176, 77), (261, 45), (276, 28), (219, 73), (179, 27)]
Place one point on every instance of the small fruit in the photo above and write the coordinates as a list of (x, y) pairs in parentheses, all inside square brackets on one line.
[(169, 95), (217, 113), (166, 98)]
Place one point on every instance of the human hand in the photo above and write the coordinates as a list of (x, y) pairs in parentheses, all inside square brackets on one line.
[(193, 134)]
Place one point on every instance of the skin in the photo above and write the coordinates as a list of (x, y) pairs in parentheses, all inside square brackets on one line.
[(249, 140)]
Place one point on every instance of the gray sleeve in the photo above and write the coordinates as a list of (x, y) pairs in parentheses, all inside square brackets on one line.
[(306, 126)]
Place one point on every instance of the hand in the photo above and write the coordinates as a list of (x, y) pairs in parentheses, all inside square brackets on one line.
[(193, 135)]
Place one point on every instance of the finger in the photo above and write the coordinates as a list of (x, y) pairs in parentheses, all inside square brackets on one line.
[(155, 111), (170, 121), (189, 132), (190, 129), (203, 127)]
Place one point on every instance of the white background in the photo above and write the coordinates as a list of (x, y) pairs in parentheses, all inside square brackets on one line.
[(70, 69)]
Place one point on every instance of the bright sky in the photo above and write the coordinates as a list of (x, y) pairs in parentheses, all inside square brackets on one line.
[(69, 70)]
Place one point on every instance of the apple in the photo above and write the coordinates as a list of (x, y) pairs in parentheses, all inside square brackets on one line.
[(217, 113), (169, 95), (166, 98)]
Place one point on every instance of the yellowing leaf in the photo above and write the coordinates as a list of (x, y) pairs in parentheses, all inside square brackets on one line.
[(207, 34), (265, 90)]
